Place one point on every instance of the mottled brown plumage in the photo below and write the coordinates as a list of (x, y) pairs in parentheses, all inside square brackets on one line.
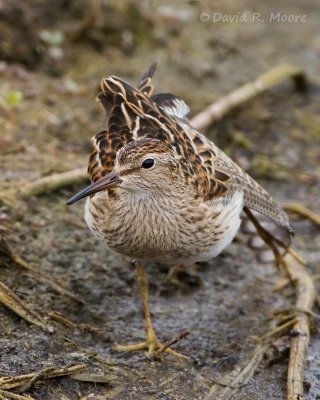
[(132, 113), (161, 190)]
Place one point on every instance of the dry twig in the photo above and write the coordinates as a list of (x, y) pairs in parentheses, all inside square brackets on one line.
[(238, 377), (171, 342), (25, 381), (57, 316), (46, 184), (300, 333), (299, 324), (302, 211), (95, 378), (51, 183), (5, 395), (305, 299), (221, 107), (10, 300)]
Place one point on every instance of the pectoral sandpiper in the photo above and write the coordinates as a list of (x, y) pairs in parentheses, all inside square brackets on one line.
[(161, 191)]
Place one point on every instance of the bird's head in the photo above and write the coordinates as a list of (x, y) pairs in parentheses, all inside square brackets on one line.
[(144, 166)]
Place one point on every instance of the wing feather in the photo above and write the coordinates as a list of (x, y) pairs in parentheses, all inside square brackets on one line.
[(227, 174)]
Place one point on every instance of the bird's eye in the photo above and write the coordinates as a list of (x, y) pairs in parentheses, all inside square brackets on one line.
[(148, 163)]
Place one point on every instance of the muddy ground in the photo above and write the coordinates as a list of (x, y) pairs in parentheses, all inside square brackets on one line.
[(47, 115)]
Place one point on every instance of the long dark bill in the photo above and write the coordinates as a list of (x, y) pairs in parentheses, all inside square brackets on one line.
[(106, 182)]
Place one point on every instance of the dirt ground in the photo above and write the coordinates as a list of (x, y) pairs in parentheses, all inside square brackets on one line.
[(51, 69)]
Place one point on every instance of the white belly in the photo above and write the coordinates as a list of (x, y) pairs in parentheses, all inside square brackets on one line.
[(162, 233)]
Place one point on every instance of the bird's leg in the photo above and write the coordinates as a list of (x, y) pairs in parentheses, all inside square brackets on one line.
[(143, 283), (172, 275), (270, 240), (184, 277), (152, 343)]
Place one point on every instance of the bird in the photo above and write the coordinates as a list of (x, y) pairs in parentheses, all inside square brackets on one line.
[(160, 190)]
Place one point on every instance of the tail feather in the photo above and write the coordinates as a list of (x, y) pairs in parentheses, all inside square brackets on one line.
[(145, 82)]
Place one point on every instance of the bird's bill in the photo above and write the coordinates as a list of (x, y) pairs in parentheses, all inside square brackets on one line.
[(108, 181)]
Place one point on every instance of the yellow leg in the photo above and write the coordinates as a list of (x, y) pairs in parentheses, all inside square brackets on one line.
[(152, 343), (173, 275), (191, 278)]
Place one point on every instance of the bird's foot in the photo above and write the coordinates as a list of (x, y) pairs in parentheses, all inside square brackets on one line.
[(152, 345)]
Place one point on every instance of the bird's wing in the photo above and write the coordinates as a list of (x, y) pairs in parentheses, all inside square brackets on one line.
[(221, 177), (227, 173), (255, 196), (172, 105)]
